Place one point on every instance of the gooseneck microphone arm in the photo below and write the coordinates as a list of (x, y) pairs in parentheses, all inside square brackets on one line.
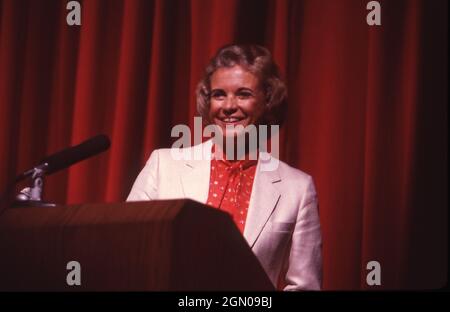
[(69, 156), (31, 196)]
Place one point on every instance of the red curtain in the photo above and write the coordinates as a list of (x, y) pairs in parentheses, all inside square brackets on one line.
[(367, 109)]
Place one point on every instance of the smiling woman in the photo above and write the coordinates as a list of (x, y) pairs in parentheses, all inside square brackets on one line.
[(276, 210)]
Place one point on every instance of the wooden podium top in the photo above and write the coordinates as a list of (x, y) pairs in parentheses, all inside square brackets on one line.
[(134, 246)]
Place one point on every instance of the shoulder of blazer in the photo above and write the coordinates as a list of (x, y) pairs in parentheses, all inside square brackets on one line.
[(292, 174), (295, 181)]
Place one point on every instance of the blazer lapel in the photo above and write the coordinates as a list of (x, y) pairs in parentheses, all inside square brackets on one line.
[(195, 177), (264, 199)]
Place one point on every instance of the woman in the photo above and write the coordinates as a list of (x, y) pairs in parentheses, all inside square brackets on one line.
[(276, 210)]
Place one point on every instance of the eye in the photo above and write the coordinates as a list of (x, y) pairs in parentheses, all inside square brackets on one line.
[(218, 94), (244, 94)]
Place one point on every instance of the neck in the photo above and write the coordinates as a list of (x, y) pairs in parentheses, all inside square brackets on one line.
[(231, 149)]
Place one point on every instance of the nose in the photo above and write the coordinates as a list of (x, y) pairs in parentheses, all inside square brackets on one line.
[(229, 105)]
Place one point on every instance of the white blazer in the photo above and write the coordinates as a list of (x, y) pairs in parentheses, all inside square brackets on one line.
[(282, 226)]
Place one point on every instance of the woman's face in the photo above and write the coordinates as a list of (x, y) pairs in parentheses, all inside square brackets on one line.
[(236, 99)]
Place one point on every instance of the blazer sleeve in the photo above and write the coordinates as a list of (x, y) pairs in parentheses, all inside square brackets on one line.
[(304, 270), (145, 186)]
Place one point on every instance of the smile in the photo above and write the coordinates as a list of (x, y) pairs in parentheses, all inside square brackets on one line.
[(231, 119)]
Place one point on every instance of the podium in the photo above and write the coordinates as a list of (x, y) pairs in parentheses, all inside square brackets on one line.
[(170, 245)]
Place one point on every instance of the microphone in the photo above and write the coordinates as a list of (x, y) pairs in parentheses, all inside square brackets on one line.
[(69, 156)]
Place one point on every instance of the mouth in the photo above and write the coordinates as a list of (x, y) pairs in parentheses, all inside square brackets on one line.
[(231, 120)]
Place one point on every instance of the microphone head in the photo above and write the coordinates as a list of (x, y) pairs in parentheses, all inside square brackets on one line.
[(72, 155)]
